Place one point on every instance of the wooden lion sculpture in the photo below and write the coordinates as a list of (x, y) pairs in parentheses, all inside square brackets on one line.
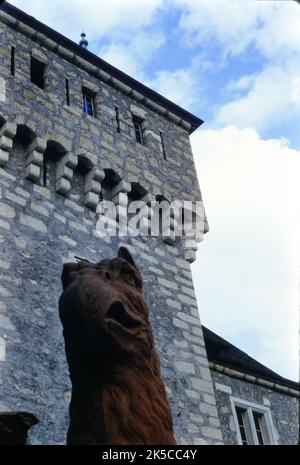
[(118, 396)]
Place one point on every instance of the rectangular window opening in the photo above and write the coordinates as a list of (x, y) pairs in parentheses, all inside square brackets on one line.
[(137, 124), (37, 72), (12, 61), (45, 171), (253, 423), (163, 145), (118, 119), (242, 426), (68, 92), (258, 427), (88, 102)]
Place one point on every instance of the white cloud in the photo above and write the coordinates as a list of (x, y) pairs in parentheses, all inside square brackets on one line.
[(280, 30), (247, 272), (181, 86), (242, 83), (271, 26), (97, 17), (269, 98), (222, 20), (264, 98), (119, 56), (131, 54)]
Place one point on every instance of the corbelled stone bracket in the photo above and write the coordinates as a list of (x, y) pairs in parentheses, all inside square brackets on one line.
[(34, 159), (193, 236), (64, 172), (145, 222), (92, 187), (190, 245), (123, 188), (169, 227), (7, 133)]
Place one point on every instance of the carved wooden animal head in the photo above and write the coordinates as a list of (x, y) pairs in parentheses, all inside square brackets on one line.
[(102, 308)]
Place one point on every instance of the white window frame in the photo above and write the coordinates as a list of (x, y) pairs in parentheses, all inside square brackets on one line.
[(268, 429)]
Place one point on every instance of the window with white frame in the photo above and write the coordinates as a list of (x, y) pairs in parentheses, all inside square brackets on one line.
[(253, 423)]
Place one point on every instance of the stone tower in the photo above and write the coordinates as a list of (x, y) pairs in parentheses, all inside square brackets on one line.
[(74, 128)]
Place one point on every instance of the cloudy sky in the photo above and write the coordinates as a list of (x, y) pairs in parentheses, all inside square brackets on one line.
[(235, 64)]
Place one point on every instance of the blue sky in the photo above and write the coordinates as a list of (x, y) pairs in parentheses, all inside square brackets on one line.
[(235, 64)]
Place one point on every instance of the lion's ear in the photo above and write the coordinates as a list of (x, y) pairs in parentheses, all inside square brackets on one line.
[(126, 255)]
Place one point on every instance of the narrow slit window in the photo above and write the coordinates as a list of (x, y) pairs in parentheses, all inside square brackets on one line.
[(12, 61), (162, 142), (88, 102), (118, 119), (37, 72), (45, 171), (137, 124), (68, 91)]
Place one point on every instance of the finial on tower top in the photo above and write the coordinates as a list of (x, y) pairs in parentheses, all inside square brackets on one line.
[(83, 42)]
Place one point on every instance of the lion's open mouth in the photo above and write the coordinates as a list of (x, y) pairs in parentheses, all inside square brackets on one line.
[(118, 313)]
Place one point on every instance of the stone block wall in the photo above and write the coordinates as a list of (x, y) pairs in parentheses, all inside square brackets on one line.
[(282, 402)]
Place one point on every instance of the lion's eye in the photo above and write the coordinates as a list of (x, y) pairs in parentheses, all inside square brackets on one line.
[(131, 279)]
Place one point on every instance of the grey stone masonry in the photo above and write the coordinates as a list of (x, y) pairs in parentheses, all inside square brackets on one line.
[(56, 164), (282, 404)]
